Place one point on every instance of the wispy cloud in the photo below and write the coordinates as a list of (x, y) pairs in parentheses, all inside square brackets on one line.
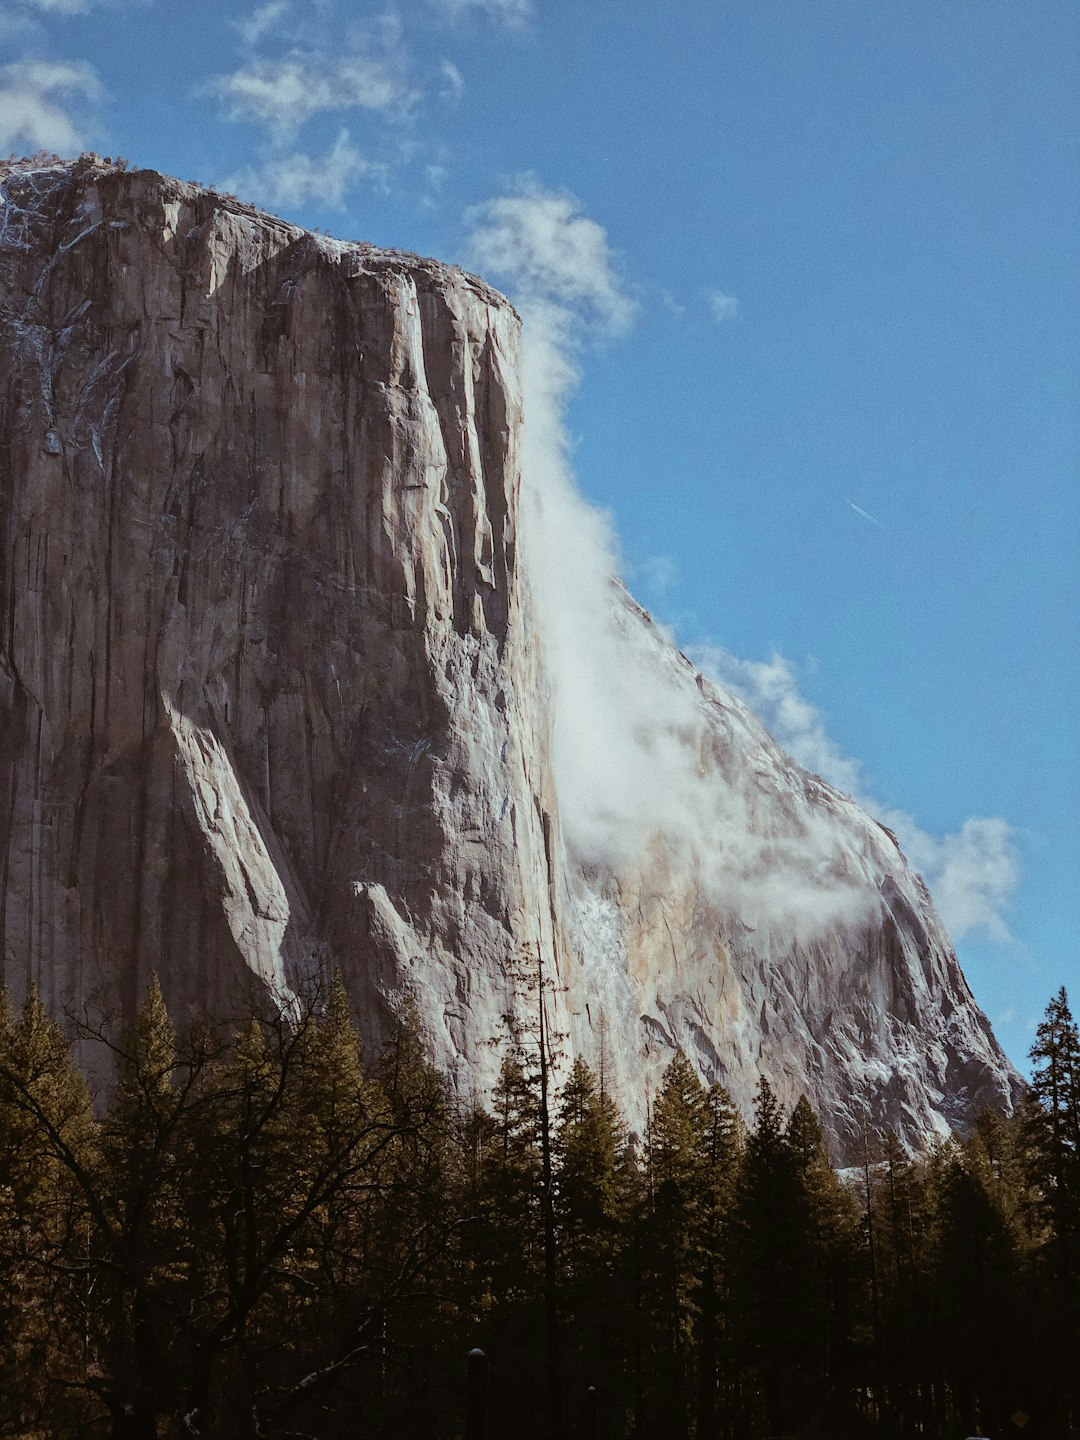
[(720, 306), (58, 7), (43, 105), (552, 256), (866, 515), (31, 21), (261, 21), (771, 689), (636, 755), (453, 82), (295, 179), (284, 93), (656, 574), (299, 65), (509, 12), (971, 873), (671, 302)]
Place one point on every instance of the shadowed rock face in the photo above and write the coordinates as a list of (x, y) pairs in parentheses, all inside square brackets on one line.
[(271, 700)]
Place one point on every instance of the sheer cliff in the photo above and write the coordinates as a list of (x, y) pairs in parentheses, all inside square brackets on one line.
[(275, 696)]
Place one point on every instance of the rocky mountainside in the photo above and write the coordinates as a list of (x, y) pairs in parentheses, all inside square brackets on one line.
[(275, 695)]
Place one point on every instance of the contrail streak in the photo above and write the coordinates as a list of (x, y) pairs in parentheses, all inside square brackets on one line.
[(866, 515)]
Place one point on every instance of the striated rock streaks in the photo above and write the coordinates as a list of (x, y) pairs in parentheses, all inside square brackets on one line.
[(271, 698)]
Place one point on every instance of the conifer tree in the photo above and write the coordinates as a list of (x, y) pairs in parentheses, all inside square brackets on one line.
[(416, 1249), (830, 1270), (722, 1150), (142, 1246), (1055, 1087), (674, 1242), (47, 1151), (505, 1244), (905, 1294), (976, 1283), (770, 1234), (535, 1050), (593, 1185), (1054, 1135)]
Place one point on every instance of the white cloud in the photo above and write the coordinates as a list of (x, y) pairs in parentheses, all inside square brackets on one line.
[(721, 307), (284, 93), (453, 81), (261, 21), (638, 752), (771, 689), (37, 101), (509, 12), (58, 7), (635, 756), (972, 873), (23, 23), (290, 181), (555, 259), (657, 573)]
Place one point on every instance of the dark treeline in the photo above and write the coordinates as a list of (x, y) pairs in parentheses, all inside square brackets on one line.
[(264, 1233)]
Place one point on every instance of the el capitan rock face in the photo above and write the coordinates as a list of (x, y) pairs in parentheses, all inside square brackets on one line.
[(273, 695)]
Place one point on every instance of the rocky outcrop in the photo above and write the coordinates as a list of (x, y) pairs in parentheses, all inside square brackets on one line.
[(779, 932), (272, 700)]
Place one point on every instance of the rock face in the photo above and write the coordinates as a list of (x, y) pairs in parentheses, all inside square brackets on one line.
[(273, 697)]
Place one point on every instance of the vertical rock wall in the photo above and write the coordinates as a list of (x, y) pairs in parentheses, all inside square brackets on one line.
[(271, 698), (262, 658)]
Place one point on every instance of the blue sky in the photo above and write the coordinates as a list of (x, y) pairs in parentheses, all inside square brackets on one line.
[(826, 318)]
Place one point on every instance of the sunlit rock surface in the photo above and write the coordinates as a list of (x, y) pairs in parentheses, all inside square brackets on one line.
[(272, 698)]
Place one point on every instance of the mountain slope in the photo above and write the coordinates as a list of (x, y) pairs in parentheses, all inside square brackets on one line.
[(275, 694)]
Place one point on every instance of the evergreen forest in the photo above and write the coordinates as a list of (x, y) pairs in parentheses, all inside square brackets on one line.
[(259, 1231)]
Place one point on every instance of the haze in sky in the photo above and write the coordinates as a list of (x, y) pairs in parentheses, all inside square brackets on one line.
[(811, 274)]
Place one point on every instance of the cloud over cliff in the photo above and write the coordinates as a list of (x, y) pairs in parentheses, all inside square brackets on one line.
[(639, 768), (634, 762), (972, 873), (40, 103)]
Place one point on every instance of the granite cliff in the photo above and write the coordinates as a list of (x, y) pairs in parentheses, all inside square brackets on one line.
[(275, 694)]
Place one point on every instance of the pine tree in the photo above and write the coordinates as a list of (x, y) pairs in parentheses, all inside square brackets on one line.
[(140, 1242), (504, 1246), (1054, 1133), (47, 1152), (905, 1295), (1055, 1087), (416, 1246), (536, 979), (977, 1289), (769, 1242), (832, 1270), (723, 1142), (673, 1244), (593, 1185)]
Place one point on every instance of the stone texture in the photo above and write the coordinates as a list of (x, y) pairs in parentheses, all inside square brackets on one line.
[(271, 698), (812, 954)]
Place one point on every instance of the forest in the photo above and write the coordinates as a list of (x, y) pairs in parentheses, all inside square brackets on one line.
[(259, 1231)]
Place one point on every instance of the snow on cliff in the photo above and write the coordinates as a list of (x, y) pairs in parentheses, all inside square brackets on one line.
[(284, 685)]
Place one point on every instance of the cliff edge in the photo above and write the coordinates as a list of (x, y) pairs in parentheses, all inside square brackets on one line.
[(273, 691)]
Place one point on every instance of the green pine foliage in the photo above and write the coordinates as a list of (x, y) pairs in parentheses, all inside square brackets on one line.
[(262, 1231), (1053, 1135), (48, 1155), (595, 1180)]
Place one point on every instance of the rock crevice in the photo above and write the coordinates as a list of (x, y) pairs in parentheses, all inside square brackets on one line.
[(272, 697)]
